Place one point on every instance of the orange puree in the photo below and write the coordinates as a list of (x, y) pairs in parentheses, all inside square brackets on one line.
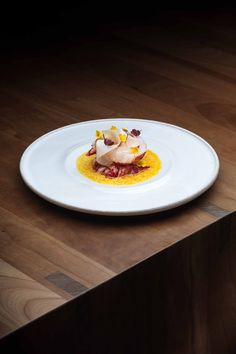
[(85, 167)]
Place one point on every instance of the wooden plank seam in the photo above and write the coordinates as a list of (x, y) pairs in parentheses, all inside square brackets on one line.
[(66, 283)]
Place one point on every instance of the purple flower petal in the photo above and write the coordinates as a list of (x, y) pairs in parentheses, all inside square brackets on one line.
[(108, 142), (135, 132)]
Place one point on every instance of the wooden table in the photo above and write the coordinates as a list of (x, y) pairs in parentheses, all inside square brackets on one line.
[(168, 280)]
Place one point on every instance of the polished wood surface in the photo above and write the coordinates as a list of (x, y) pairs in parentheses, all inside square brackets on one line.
[(180, 72), (180, 300), (23, 298)]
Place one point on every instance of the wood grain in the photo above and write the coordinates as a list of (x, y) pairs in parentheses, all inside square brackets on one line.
[(181, 300), (20, 239), (22, 299), (180, 70)]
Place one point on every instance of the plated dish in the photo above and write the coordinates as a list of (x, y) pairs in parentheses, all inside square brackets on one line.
[(134, 166), (118, 157)]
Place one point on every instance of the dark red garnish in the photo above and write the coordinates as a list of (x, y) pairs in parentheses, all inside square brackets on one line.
[(118, 170), (92, 151), (108, 142), (135, 132)]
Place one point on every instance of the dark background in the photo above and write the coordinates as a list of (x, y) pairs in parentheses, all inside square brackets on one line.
[(30, 24)]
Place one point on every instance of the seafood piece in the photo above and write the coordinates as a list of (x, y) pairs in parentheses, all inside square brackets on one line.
[(118, 151)]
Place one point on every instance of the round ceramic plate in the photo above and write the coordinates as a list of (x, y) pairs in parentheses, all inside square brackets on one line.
[(189, 167)]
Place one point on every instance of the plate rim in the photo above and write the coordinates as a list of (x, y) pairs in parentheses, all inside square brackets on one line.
[(120, 213)]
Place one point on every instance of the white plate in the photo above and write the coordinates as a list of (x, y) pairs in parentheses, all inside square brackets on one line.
[(189, 167)]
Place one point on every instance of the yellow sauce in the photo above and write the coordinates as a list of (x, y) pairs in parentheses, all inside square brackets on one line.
[(84, 165)]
